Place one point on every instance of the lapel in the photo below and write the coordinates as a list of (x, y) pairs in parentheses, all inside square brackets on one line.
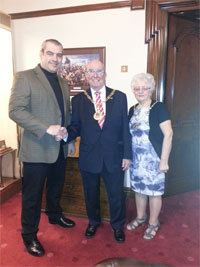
[(109, 106), (45, 84), (90, 105), (64, 92)]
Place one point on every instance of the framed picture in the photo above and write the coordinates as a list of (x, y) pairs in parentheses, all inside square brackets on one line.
[(74, 66)]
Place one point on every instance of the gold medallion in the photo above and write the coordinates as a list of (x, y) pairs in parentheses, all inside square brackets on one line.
[(137, 119), (97, 106), (97, 116)]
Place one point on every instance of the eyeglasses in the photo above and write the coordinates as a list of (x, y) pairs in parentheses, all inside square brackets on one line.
[(144, 89), (98, 72)]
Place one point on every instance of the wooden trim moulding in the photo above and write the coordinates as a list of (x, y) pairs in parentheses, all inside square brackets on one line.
[(137, 4), (167, 5), (133, 4), (156, 36), (5, 21)]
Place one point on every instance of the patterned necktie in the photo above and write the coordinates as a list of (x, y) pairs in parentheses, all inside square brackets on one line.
[(99, 108)]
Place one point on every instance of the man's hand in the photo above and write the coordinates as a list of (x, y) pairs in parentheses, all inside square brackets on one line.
[(61, 134), (53, 130), (125, 164)]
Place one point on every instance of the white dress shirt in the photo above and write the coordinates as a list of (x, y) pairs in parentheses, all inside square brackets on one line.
[(102, 92)]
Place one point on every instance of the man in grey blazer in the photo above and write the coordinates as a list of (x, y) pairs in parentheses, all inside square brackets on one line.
[(40, 105)]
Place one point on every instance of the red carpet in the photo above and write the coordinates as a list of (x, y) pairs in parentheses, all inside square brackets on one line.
[(176, 244)]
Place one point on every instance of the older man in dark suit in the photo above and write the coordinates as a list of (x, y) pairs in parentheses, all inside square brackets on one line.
[(40, 104), (99, 117)]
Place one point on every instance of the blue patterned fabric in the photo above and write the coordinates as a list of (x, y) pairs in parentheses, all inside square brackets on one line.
[(144, 175)]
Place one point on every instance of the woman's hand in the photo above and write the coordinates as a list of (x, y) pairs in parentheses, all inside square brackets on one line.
[(125, 164), (166, 129), (163, 166)]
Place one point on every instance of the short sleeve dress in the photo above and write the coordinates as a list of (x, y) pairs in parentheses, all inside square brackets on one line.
[(144, 175)]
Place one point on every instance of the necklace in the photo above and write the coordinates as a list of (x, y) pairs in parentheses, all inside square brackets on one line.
[(135, 125), (97, 115)]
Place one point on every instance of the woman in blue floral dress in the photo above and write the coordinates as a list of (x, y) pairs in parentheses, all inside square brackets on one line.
[(150, 127)]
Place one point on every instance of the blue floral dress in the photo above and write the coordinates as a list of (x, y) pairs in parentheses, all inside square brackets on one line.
[(144, 175)]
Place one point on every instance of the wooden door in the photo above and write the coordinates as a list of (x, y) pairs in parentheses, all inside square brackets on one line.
[(182, 100)]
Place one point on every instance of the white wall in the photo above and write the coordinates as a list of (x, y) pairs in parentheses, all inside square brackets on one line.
[(6, 74), (121, 31), (7, 127), (17, 6)]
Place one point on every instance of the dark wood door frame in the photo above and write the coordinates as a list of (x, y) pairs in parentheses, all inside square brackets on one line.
[(162, 67), (156, 37)]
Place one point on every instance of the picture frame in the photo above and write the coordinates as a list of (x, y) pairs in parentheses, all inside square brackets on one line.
[(74, 66)]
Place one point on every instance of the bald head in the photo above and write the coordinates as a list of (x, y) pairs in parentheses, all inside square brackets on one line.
[(95, 74), (95, 64)]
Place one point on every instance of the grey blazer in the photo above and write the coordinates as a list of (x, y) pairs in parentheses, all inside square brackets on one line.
[(34, 107)]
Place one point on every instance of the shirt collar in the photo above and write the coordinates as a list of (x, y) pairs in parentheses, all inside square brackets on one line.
[(102, 90), (47, 73)]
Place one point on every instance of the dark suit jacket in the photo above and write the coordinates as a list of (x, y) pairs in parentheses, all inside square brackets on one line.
[(108, 145), (34, 107)]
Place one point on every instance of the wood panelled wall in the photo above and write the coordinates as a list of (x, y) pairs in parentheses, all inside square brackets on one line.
[(156, 36)]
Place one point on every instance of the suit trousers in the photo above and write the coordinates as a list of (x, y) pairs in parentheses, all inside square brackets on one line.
[(114, 183), (34, 176)]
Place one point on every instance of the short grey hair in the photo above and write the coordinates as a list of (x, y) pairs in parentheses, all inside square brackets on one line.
[(54, 41), (147, 78)]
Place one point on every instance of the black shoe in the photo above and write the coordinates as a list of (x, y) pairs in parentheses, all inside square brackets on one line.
[(90, 231), (34, 247), (62, 221), (119, 235)]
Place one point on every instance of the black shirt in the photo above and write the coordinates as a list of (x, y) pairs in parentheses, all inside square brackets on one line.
[(53, 80)]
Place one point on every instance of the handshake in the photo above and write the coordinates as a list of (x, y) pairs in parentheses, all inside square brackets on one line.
[(57, 131)]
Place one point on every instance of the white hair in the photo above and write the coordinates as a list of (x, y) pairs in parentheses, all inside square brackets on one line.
[(147, 78)]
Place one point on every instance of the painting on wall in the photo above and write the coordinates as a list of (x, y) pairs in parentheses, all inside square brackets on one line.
[(74, 66)]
